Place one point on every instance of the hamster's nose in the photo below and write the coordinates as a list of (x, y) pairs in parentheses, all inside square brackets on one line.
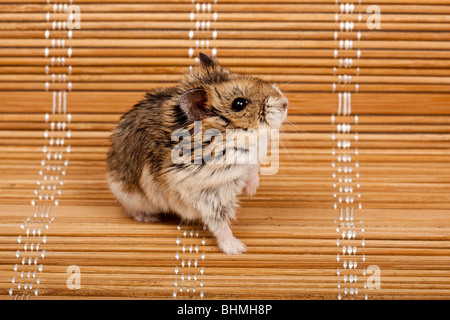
[(285, 105)]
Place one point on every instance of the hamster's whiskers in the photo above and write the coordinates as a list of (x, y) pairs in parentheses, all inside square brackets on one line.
[(294, 130), (282, 142)]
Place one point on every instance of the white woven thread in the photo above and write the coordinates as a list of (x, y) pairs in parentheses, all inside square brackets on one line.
[(188, 281), (350, 232), (30, 260)]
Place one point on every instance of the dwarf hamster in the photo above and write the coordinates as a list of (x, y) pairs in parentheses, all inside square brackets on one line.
[(141, 171)]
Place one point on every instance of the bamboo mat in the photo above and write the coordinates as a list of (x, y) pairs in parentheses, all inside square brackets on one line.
[(360, 206)]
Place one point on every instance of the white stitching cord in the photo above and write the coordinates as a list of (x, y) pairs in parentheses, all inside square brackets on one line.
[(189, 281), (202, 15), (347, 198), (29, 264)]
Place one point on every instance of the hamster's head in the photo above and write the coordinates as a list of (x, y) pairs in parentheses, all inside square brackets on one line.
[(230, 100)]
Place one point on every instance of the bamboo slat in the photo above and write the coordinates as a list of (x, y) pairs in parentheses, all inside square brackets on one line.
[(364, 157)]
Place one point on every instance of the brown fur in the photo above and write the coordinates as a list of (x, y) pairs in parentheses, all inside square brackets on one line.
[(142, 138)]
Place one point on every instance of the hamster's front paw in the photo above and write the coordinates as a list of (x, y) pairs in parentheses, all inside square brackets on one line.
[(232, 245), (252, 185)]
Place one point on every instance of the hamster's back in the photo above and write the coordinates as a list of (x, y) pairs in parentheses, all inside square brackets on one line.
[(141, 137)]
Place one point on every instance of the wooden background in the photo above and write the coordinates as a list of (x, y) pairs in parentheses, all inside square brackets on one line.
[(359, 209)]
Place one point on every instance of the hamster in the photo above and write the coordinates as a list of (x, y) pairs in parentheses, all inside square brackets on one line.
[(141, 171)]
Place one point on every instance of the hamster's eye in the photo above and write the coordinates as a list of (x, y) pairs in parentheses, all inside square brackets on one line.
[(239, 104)]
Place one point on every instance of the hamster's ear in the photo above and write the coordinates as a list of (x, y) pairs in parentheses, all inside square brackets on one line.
[(193, 104), (207, 61)]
